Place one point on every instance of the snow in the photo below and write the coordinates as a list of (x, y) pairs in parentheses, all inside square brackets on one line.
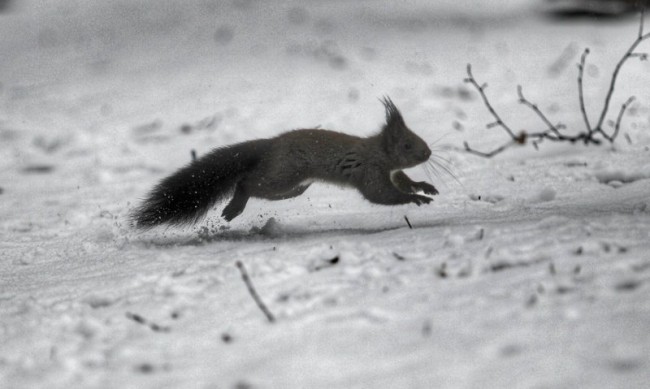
[(531, 269)]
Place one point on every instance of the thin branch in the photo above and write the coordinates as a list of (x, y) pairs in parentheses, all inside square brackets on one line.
[(618, 120), (141, 320), (555, 129), (641, 23), (581, 70), (481, 90), (491, 153), (553, 133), (253, 293), (521, 139), (408, 222), (640, 56), (629, 53)]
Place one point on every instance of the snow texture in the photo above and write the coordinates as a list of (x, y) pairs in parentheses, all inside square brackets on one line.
[(529, 270)]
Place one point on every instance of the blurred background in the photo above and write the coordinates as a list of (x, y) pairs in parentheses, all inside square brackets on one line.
[(82, 74)]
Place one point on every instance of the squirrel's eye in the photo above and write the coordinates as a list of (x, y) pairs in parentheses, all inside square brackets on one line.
[(407, 146)]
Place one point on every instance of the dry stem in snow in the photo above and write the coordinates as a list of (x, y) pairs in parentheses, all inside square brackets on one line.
[(553, 131), (253, 293)]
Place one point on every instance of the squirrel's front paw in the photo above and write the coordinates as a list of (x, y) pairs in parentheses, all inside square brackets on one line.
[(419, 199), (426, 188)]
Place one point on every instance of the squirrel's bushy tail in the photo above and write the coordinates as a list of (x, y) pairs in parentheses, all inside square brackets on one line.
[(187, 195)]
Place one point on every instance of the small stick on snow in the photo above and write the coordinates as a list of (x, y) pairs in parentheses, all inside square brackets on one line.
[(627, 137), (408, 222), (253, 293), (141, 320), (328, 263), (193, 153)]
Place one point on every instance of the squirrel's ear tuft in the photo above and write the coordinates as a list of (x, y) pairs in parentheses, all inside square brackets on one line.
[(393, 116)]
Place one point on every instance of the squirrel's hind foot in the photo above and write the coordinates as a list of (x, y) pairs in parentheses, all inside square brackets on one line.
[(236, 206)]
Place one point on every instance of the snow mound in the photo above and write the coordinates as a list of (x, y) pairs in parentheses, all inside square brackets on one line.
[(546, 194), (619, 177)]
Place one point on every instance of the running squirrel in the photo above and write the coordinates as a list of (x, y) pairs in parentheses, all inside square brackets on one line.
[(284, 166)]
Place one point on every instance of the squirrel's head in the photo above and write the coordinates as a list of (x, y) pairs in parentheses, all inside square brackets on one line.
[(403, 146)]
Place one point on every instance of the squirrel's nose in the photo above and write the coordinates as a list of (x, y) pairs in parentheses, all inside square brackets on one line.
[(426, 154)]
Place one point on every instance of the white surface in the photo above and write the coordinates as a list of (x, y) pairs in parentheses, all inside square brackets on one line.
[(532, 271)]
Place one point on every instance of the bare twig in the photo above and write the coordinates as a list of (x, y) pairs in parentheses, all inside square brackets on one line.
[(489, 154), (553, 131), (481, 90), (628, 54), (620, 116), (555, 128), (141, 320), (498, 121), (408, 222), (641, 23), (253, 293), (328, 263), (628, 139), (581, 71)]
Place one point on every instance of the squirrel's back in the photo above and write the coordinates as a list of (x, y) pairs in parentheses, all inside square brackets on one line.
[(313, 153)]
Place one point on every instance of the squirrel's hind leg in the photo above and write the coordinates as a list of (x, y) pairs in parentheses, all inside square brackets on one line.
[(236, 206)]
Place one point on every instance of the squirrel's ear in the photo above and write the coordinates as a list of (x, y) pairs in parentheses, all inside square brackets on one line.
[(394, 120)]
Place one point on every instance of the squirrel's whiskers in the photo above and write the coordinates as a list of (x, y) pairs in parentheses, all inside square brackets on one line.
[(439, 166)]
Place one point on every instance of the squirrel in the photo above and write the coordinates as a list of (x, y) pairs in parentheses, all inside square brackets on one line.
[(285, 166)]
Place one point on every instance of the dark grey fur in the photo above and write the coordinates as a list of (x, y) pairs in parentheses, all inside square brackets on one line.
[(285, 166)]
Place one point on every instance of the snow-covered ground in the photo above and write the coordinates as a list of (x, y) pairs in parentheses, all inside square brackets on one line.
[(529, 270)]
